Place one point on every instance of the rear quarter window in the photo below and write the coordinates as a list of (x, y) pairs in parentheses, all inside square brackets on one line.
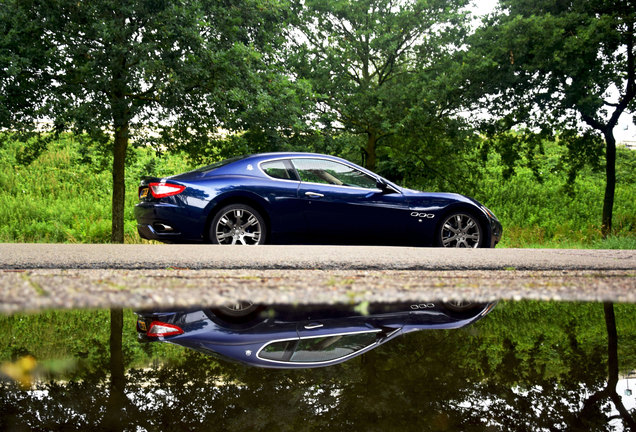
[(279, 169)]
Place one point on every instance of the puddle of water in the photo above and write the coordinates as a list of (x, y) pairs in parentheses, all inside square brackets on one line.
[(523, 366)]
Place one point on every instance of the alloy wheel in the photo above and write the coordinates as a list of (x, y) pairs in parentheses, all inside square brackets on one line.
[(238, 226), (460, 230)]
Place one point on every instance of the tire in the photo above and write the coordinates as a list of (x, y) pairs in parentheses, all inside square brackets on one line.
[(463, 309), (241, 312), (238, 224), (460, 305), (461, 230)]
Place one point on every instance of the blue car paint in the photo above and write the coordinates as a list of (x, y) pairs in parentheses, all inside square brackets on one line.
[(344, 215), (208, 333)]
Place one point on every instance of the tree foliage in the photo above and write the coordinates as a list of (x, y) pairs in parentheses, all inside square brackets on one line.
[(379, 68), (383, 82), (526, 366), (116, 69), (558, 66)]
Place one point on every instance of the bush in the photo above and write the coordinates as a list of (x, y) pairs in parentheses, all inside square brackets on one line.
[(64, 193), (548, 212)]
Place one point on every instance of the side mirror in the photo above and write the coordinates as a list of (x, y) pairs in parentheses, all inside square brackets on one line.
[(384, 186)]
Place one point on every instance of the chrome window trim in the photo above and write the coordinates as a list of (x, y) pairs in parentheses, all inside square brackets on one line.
[(258, 354), (341, 186)]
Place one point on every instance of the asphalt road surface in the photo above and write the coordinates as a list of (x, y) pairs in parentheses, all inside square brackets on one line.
[(42, 276), (113, 256)]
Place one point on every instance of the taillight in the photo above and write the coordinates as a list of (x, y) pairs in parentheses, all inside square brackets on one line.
[(158, 328), (160, 190)]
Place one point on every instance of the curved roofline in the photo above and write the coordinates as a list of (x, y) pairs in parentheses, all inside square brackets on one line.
[(291, 154)]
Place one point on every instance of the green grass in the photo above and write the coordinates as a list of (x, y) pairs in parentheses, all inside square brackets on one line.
[(551, 214), (76, 341), (64, 195)]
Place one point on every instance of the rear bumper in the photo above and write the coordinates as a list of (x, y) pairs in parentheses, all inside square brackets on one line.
[(166, 222), (149, 232)]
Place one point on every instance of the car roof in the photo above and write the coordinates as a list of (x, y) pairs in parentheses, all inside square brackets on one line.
[(275, 155), (247, 164)]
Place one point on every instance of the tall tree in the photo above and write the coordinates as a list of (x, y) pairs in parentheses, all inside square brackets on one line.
[(364, 58), (558, 66), (115, 68)]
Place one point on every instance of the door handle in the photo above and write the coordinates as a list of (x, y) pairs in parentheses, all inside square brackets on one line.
[(314, 195), (313, 325)]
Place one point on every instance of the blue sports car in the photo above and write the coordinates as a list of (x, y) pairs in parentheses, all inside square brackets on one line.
[(299, 337), (284, 198)]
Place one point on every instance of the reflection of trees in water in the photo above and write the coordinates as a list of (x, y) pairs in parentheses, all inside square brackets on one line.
[(117, 387), (430, 381), (609, 392)]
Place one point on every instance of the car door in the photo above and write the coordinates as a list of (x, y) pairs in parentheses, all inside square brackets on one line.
[(287, 223), (343, 204), (325, 341)]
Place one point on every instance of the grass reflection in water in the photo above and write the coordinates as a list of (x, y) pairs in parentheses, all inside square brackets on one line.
[(526, 366)]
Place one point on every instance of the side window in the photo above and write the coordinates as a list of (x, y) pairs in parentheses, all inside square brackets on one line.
[(317, 349), (327, 348), (330, 172), (278, 351), (278, 169)]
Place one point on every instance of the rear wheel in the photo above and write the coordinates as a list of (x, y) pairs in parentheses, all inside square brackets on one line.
[(460, 230), (239, 309), (238, 224)]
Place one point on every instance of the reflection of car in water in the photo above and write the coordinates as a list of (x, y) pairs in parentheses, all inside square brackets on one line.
[(299, 337)]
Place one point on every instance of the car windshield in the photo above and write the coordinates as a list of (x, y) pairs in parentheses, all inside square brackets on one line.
[(220, 164)]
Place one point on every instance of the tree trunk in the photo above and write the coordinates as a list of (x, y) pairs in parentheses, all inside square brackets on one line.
[(119, 182), (370, 151), (612, 345), (117, 395), (612, 367), (610, 182)]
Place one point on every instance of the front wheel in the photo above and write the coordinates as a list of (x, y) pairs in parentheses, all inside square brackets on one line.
[(238, 224), (459, 305), (461, 230), (241, 312)]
